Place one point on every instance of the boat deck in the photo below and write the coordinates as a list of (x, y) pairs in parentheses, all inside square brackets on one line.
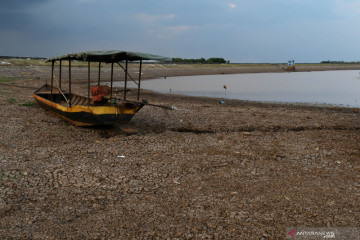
[(62, 99)]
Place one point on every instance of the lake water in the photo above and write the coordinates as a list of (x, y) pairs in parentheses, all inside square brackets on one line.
[(324, 87)]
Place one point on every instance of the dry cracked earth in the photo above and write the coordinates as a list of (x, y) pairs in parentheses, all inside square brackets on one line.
[(239, 170)]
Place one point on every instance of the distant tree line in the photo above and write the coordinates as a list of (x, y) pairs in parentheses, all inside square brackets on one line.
[(200, 60), (339, 62), (14, 57)]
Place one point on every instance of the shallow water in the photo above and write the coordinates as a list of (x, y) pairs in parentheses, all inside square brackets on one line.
[(326, 87)]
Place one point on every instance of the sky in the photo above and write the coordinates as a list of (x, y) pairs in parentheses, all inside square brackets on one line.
[(241, 31)]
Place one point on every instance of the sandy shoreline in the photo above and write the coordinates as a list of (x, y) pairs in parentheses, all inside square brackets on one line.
[(192, 70), (240, 170)]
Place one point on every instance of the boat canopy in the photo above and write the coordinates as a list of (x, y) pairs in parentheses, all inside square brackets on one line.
[(109, 56)]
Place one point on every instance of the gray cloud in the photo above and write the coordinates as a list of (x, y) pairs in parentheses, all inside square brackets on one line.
[(255, 31), (14, 5), (16, 15)]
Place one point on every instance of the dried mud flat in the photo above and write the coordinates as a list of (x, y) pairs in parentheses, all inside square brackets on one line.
[(239, 170)]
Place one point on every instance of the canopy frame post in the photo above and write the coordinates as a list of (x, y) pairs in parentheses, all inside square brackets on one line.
[(126, 75), (140, 69), (111, 81), (52, 80), (88, 82), (99, 74), (60, 69), (69, 83)]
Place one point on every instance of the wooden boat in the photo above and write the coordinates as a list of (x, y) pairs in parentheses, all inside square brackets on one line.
[(102, 108), (82, 112)]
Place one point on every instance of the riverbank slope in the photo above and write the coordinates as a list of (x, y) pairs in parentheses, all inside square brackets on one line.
[(23, 67)]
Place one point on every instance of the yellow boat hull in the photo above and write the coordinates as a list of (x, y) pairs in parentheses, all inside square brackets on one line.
[(87, 114)]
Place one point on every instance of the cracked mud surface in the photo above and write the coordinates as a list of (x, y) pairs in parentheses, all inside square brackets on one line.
[(239, 170)]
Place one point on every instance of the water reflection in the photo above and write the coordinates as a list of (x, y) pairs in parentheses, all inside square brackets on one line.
[(330, 87)]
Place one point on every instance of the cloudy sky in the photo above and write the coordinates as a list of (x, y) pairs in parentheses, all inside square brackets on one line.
[(237, 30)]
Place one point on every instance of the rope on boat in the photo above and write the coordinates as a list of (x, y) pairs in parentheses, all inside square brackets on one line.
[(127, 73), (67, 101)]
